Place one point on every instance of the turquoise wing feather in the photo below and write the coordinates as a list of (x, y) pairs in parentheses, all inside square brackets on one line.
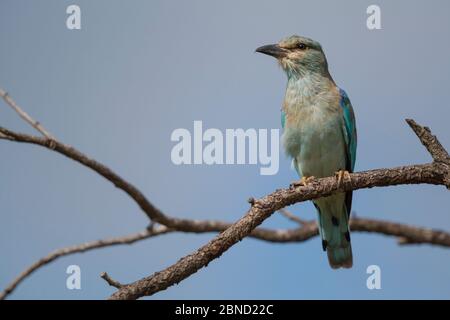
[(349, 132), (349, 129)]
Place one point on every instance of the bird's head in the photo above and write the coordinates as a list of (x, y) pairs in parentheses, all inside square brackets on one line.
[(298, 55)]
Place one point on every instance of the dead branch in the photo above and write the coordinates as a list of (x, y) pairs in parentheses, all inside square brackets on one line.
[(78, 249), (436, 173), (406, 235)]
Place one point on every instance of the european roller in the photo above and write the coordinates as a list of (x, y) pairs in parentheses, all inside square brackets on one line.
[(319, 134)]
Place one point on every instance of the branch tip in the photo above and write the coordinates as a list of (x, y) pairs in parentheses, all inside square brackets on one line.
[(110, 281), (431, 142), (25, 116)]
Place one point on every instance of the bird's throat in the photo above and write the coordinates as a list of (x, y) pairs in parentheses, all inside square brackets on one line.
[(306, 91)]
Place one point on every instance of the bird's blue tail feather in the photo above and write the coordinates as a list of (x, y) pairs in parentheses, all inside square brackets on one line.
[(334, 231)]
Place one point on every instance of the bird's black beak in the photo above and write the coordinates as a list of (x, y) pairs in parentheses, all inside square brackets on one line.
[(273, 50)]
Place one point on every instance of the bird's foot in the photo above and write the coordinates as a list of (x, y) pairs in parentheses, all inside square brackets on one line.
[(342, 175), (303, 182)]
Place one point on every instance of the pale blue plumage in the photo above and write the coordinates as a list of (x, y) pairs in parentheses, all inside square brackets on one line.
[(319, 134)]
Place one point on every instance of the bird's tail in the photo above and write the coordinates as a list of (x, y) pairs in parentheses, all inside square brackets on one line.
[(334, 230)]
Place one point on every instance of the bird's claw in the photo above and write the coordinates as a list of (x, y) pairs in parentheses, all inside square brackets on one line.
[(342, 175), (303, 182)]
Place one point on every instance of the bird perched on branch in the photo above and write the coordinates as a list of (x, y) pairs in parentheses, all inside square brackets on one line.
[(319, 135)]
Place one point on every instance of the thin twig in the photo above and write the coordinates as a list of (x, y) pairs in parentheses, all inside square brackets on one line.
[(292, 217), (25, 116), (110, 281)]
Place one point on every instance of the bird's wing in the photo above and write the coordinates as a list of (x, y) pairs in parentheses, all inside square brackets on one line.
[(349, 130), (349, 133)]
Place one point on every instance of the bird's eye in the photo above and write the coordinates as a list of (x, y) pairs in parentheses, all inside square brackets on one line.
[(301, 46)]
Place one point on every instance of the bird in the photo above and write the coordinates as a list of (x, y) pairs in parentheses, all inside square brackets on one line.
[(319, 134)]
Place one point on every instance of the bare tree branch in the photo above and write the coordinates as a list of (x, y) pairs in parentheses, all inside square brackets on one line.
[(433, 173), (81, 248), (407, 235), (151, 211)]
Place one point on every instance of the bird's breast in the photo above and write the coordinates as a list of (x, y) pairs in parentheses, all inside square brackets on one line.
[(313, 137), (312, 125)]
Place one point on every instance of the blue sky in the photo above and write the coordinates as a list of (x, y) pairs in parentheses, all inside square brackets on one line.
[(117, 88)]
